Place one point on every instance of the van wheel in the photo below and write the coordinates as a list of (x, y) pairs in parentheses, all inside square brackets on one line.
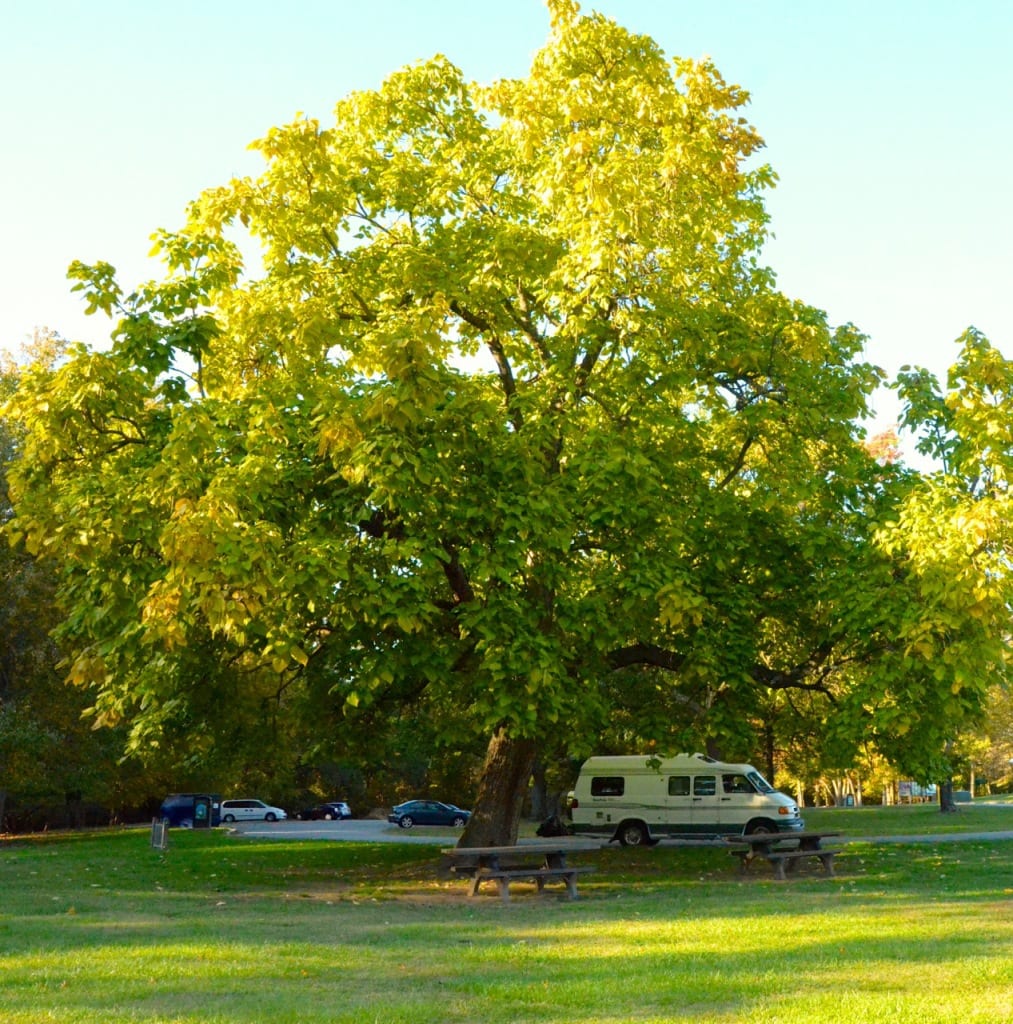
[(761, 827), (632, 833)]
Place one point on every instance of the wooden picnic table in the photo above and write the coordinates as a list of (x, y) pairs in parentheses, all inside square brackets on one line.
[(539, 862), (782, 850)]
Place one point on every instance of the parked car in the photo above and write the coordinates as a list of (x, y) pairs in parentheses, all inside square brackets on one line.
[(330, 810), (184, 810), (250, 810), (428, 812)]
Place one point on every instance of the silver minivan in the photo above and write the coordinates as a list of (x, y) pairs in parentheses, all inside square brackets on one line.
[(250, 810)]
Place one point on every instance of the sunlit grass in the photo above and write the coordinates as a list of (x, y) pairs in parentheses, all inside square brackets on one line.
[(217, 930), (911, 819)]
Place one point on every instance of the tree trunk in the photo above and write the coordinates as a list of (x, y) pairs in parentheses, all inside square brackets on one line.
[(496, 815), (946, 802), (540, 808), (768, 751), (75, 809)]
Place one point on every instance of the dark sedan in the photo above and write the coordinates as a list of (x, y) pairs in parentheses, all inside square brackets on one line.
[(332, 810), (428, 812)]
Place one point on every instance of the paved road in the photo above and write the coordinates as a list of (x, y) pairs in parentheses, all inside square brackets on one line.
[(938, 837), (356, 830), (360, 830)]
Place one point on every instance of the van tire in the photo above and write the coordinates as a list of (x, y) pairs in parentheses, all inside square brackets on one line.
[(761, 826), (633, 833)]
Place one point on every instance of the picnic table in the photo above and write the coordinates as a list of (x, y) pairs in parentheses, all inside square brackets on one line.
[(783, 850), (539, 862)]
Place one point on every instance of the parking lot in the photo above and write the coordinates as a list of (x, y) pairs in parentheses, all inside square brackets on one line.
[(357, 830)]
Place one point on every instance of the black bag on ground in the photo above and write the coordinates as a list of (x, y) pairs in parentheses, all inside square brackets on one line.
[(552, 826)]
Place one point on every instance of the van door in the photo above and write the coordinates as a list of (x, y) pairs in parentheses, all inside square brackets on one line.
[(706, 807), (678, 815), (692, 806)]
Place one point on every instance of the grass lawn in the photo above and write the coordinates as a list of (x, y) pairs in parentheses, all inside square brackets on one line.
[(99, 927)]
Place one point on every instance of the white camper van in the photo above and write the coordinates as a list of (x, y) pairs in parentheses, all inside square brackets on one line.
[(638, 799)]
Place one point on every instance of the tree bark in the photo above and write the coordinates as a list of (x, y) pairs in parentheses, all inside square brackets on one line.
[(495, 817), (946, 802), (540, 792), (769, 750)]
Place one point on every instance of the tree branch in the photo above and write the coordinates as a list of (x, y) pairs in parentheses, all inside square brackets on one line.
[(460, 585), (526, 322), (503, 368), (646, 654), (738, 464), (381, 525)]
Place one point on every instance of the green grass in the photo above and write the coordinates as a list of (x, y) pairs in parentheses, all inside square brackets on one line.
[(100, 927), (910, 819)]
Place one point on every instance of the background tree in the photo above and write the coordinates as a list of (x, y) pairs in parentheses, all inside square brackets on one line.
[(507, 424), (995, 768), (953, 532), (51, 762), (27, 656)]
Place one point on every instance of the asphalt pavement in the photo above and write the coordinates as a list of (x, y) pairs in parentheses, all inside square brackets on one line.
[(355, 830), (370, 830)]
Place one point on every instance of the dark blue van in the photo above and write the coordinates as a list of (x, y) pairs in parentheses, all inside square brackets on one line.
[(191, 810)]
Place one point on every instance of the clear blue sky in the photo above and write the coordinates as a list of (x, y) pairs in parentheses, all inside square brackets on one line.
[(888, 121)]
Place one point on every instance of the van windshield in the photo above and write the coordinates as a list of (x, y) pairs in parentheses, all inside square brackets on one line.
[(761, 784)]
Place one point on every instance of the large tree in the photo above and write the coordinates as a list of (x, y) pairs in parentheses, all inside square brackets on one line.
[(504, 421)]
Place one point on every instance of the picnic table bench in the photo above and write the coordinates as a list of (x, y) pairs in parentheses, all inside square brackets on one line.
[(533, 861), (783, 850)]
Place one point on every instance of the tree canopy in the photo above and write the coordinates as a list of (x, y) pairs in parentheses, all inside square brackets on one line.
[(480, 401)]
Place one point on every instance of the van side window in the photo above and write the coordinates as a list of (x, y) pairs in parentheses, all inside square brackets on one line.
[(736, 784), (607, 785), (678, 785), (704, 785)]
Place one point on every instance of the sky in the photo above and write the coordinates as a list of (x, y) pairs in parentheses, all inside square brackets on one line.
[(888, 123)]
